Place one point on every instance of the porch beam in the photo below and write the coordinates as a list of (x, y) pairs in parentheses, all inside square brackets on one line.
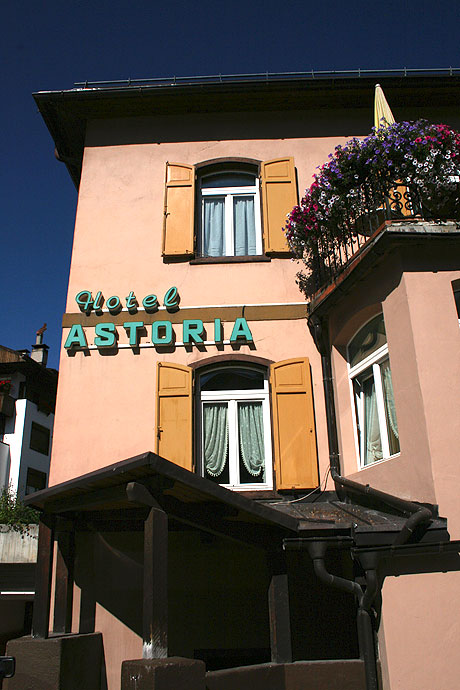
[(155, 596), (155, 602), (278, 609), (63, 596), (42, 601)]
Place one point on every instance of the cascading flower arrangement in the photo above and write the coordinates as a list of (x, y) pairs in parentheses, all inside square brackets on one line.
[(356, 180), (5, 385)]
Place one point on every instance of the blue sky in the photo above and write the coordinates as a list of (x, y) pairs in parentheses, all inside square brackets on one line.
[(50, 44)]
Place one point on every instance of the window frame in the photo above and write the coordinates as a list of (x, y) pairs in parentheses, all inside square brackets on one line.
[(369, 367), (233, 397), (229, 194), (456, 293), (181, 218), (36, 428), (32, 473)]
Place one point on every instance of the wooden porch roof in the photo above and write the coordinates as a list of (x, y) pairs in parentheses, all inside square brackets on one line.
[(101, 497)]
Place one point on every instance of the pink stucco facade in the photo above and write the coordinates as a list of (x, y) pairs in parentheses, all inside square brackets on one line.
[(418, 634), (106, 404)]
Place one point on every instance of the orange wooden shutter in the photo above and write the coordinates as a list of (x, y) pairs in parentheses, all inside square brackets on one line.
[(279, 196), (178, 228), (293, 425), (174, 413)]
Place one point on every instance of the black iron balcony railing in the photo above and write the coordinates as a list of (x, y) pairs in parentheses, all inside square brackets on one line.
[(336, 250)]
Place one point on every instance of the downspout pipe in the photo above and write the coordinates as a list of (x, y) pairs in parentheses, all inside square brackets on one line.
[(317, 552), (417, 514)]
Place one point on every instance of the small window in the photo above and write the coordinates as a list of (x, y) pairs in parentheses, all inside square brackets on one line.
[(36, 480), (372, 386), (457, 301), (39, 438), (235, 438), (230, 214)]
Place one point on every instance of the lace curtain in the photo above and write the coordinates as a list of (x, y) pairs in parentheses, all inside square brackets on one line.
[(390, 411), (250, 437), (373, 442), (215, 428), (251, 432)]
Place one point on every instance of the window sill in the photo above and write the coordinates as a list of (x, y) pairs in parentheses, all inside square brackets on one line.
[(266, 494), (248, 489), (378, 462), (229, 259)]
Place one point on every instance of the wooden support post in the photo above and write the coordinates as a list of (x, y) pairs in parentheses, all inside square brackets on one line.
[(278, 609), (63, 596), (87, 588), (155, 612), (41, 615)]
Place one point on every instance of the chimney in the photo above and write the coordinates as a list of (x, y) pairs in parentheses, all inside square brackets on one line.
[(39, 350)]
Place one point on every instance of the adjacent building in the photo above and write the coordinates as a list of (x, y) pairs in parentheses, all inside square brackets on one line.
[(27, 401), (207, 415)]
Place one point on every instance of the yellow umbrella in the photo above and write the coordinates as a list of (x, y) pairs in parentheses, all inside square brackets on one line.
[(382, 118), (382, 113)]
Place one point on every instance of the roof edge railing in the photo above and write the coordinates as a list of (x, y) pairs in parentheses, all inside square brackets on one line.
[(270, 76)]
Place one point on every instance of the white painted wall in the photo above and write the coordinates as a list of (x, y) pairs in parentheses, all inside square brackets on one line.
[(15, 440), (17, 436)]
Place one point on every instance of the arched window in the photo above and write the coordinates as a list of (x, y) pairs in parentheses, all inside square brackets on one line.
[(217, 208), (229, 206), (370, 376), (235, 437), (218, 419)]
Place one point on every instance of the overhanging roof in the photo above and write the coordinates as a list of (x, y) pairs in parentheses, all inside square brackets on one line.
[(67, 112)]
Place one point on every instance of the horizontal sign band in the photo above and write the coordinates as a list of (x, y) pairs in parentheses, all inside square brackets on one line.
[(159, 346), (255, 312)]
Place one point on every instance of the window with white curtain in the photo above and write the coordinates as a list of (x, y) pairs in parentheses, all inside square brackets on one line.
[(377, 432), (235, 438), (230, 214)]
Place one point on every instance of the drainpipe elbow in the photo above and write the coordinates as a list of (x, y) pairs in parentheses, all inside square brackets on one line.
[(418, 518), (372, 588), (317, 551)]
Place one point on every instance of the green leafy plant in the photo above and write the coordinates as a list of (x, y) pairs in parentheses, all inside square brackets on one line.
[(14, 513)]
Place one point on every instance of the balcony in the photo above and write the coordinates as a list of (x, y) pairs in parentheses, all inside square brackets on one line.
[(395, 209), (402, 176)]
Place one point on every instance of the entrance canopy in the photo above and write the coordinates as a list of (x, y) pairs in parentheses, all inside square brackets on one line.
[(149, 494), (109, 499)]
